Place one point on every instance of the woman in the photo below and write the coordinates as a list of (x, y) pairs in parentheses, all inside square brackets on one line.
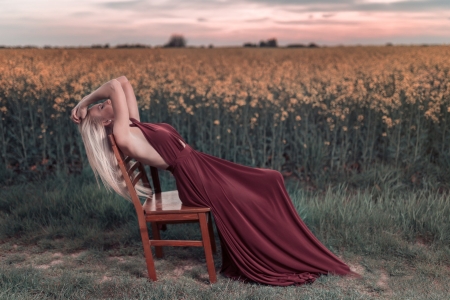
[(263, 239)]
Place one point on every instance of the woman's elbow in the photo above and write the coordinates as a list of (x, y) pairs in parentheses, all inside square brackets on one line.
[(114, 84), (122, 79)]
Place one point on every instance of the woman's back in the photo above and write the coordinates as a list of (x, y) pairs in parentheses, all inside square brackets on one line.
[(156, 145)]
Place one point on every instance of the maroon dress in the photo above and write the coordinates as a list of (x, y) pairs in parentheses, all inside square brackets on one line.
[(263, 239)]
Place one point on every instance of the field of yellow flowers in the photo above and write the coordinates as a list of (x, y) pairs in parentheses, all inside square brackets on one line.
[(311, 113)]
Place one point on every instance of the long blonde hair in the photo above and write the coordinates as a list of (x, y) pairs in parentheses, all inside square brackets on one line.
[(102, 160)]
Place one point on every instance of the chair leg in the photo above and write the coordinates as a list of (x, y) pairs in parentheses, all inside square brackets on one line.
[(211, 233), (157, 236), (207, 247), (148, 254)]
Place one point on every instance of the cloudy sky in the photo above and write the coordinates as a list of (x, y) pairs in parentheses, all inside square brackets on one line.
[(224, 22)]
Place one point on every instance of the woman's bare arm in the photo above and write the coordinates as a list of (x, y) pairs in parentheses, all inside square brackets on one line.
[(133, 109), (121, 124), (112, 90), (80, 110)]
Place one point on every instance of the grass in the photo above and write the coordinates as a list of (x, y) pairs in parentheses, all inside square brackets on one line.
[(63, 238), (91, 274)]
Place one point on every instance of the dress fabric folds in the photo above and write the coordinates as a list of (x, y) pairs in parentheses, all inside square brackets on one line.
[(262, 237)]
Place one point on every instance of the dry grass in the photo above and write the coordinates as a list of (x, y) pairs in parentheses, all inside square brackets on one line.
[(61, 245), (381, 279)]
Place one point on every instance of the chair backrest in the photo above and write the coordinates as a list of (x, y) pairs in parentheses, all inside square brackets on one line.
[(133, 171)]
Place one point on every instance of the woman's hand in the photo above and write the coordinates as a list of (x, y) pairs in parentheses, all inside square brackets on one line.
[(79, 112), (106, 91)]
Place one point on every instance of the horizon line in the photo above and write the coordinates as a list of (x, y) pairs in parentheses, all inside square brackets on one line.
[(254, 45)]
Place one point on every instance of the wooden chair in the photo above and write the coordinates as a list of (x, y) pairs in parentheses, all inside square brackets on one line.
[(164, 208)]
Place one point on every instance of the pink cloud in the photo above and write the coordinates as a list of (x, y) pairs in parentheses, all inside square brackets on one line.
[(226, 23)]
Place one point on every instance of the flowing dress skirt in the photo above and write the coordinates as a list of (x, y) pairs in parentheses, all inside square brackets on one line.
[(263, 239)]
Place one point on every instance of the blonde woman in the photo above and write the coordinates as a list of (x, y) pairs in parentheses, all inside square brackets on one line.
[(262, 237)]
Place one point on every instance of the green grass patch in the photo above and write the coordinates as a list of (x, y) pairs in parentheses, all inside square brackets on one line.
[(91, 275), (64, 238), (72, 213)]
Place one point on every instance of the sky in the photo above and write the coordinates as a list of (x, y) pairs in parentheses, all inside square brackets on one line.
[(224, 22)]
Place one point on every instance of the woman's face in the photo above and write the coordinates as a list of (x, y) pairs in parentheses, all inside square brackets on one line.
[(103, 111)]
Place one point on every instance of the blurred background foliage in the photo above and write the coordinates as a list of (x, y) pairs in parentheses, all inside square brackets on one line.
[(363, 115)]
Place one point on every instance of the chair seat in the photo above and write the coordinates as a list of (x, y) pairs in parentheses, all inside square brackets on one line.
[(169, 203)]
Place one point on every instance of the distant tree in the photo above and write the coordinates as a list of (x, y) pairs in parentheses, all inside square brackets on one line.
[(312, 45), (295, 46), (176, 40), (98, 46), (132, 46), (268, 43), (211, 46), (272, 43), (389, 44), (250, 45)]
